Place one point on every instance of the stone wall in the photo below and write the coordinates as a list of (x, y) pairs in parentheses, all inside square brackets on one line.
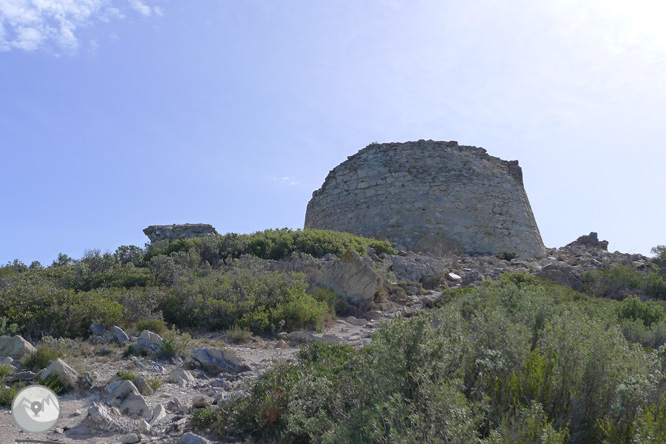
[(429, 196)]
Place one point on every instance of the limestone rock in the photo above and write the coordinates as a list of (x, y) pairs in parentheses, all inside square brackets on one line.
[(15, 347), (67, 375), (562, 274), (119, 334), (218, 360), (143, 387), (130, 438), (181, 377), (127, 398), (174, 232), (416, 267), (159, 413), (191, 438), (352, 279), (149, 342), (429, 196), (590, 240)]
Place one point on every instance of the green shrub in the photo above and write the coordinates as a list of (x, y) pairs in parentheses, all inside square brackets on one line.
[(42, 358), (54, 383), (7, 394), (621, 281), (238, 334), (8, 330), (155, 325), (254, 301), (512, 361), (5, 371), (127, 375), (175, 344), (648, 312)]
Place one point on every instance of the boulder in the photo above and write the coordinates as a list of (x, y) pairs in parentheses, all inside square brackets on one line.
[(352, 279), (590, 240), (15, 347), (562, 274), (96, 329), (142, 385), (129, 401), (119, 335), (67, 375), (437, 246), (149, 342), (174, 232), (181, 377), (191, 438), (416, 267), (218, 360)]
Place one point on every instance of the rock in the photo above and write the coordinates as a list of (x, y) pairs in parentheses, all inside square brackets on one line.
[(181, 377), (590, 240), (352, 279), (218, 360), (130, 438), (15, 347), (67, 375), (143, 387), (98, 414), (149, 342), (174, 232), (158, 414), (202, 401), (21, 376), (119, 335), (453, 277), (562, 274), (191, 438), (144, 427), (375, 315), (126, 397), (96, 329), (302, 336), (414, 267), (437, 246), (175, 405), (355, 321)]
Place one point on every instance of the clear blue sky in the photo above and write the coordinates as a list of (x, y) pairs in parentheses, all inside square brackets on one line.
[(116, 114)]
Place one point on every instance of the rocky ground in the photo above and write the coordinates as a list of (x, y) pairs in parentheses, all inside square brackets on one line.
[(103, 408)]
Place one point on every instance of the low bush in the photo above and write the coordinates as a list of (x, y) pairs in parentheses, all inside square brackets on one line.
[(155, 325), (513, 361), (175, 344), (621, 281), (257, 301), (42, 358)]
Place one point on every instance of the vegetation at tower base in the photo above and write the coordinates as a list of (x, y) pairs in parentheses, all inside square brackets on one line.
[(515, 361), (208, 282)]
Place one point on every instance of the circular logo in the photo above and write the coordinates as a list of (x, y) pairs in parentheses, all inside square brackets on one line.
[(36, 409)]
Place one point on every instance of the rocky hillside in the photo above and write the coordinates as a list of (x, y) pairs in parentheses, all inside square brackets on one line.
[(127, 378)]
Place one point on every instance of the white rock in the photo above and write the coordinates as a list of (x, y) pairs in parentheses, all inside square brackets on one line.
[(67, 375), (15, 347)]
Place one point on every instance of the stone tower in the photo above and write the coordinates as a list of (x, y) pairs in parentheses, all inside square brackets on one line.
[(429, 196)]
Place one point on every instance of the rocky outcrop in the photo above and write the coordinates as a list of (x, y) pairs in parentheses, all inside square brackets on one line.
[(590, 240), (15, 347), (174, 232), (66, 374), (428, 196), (352, 279)]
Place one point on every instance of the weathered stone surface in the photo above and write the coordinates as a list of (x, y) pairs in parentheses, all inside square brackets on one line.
[(127, 398), (143, 387), (15, 347), (119, 334), (429, 196), (218, 360), (181, 377), (590, 240), (191, 438), (178, 231), (352, 279), (414, 267), (562, 274), (149, 342), (68, 376)]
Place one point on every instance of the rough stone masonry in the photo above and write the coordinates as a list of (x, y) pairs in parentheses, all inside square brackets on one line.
[(429, 196)]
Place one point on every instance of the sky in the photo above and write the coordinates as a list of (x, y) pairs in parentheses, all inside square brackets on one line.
[(119, 114)]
